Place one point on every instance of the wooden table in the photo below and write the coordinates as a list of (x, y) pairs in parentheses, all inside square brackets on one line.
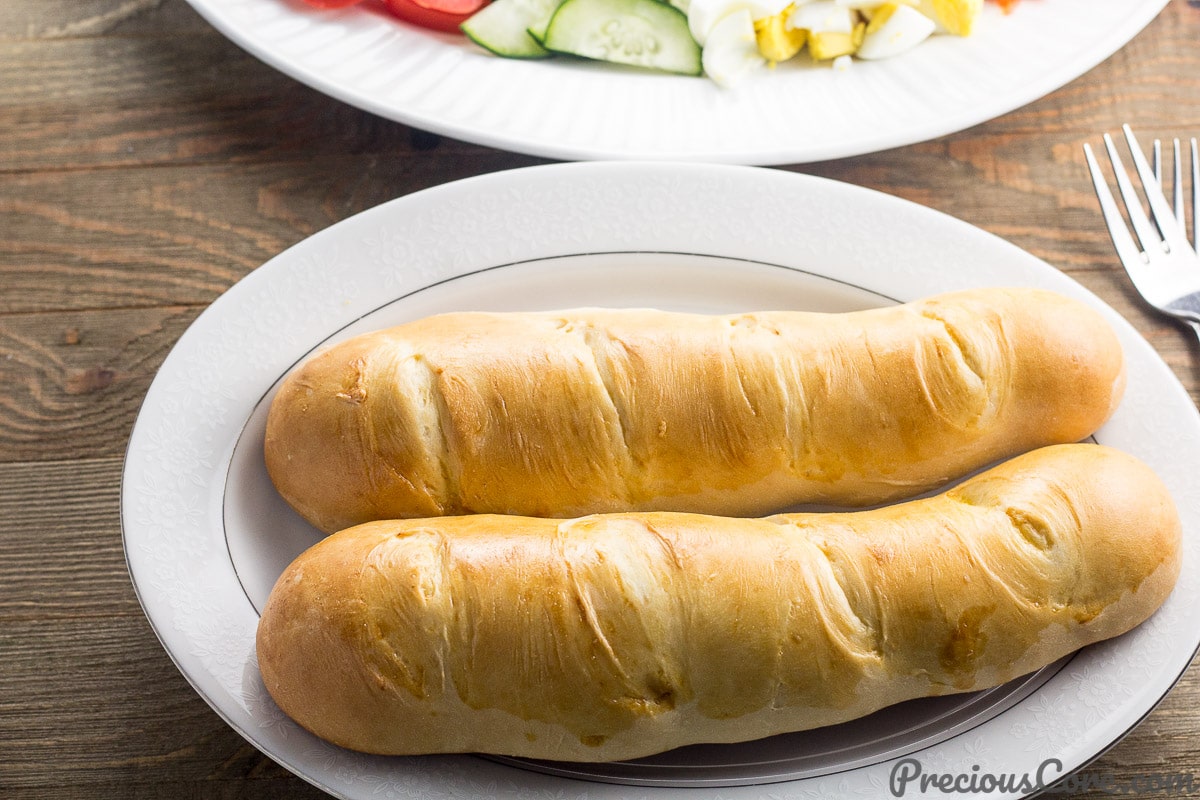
[(146, 164)]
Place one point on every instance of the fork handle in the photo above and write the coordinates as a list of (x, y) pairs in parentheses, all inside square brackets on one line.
[(1186, 308), (1195, 326)]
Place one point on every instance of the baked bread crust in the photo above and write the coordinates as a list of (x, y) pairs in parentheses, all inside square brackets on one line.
[(599, 410), (617, 636)]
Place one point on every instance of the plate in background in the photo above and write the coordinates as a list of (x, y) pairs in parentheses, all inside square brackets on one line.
[(798, 112)]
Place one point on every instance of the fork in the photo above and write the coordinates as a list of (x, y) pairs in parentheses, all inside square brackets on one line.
[(1162, 264)]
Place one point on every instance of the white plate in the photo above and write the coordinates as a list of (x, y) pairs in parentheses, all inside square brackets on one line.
[(572, 110), (205, 536)]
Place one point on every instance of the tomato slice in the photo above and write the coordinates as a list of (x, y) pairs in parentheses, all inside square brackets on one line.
[(439, 15), (332, 3), (452, 6)]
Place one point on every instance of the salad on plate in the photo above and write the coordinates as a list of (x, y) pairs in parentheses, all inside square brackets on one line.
[(725, 40)]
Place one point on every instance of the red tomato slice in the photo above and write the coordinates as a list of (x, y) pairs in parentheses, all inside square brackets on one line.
[(332, 3), (439, 15), (452, 6)]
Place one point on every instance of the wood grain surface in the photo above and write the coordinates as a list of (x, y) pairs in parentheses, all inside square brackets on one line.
[(147, 164)]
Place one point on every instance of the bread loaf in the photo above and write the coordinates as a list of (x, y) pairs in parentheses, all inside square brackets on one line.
[(618, 636), (570, 413)]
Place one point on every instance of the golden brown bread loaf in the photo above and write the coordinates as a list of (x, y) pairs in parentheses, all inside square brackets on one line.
[(575, 412), (617, 636)]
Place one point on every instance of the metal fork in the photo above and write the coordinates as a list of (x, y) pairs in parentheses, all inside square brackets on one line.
[(1165, 269)]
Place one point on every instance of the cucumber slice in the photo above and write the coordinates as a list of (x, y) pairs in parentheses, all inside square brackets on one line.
[(503, 27), (642, 33), (537, 29)]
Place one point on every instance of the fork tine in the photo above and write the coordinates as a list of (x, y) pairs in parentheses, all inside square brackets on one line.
[(1177, 192), (1195, 196), (1146, 232), (1161, 211), (1156, 165), (1127, 249)]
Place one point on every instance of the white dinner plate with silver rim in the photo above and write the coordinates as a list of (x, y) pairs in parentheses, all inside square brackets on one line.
[(568, 109), (206, 536)]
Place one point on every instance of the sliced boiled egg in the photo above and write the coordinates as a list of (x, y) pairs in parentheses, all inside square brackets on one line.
[(776, 41), (731, 49), (894, 29), (952, 16), (703, 15), (867, 7), (833, 29), (823, 16)]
